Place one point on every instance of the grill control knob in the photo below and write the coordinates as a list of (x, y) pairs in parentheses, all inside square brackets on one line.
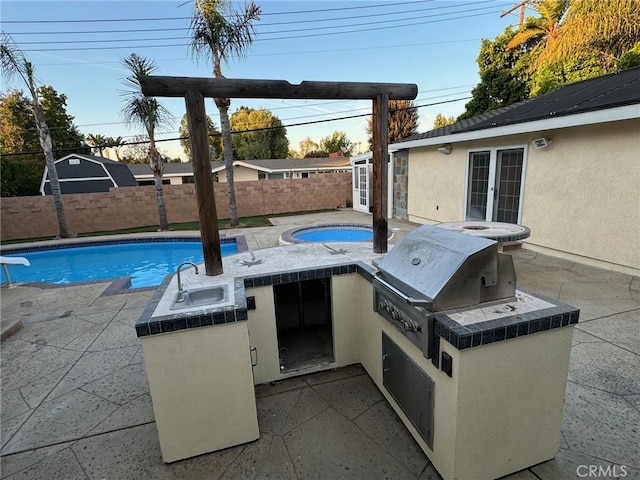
[(383, 305), (395, 315), (409, 326)]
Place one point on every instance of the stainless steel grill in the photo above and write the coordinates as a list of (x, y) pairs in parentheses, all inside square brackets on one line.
[(432, 270)]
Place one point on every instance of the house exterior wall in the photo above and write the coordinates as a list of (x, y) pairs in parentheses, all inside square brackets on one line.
[(581, 195), (240, 174), (31, 217)]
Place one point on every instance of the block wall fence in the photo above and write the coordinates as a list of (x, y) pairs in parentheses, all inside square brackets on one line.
[(128, 207)]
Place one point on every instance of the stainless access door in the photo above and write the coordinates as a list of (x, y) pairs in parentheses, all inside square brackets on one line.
[(410, 387)]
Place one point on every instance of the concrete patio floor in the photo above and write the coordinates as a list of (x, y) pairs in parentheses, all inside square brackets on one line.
[(75, 402)]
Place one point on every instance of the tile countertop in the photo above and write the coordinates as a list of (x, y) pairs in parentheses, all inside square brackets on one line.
[(159, 318), (527, 314)]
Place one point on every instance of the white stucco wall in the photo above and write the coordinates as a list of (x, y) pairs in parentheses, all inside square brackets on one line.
[(240, 174), (213, 406), (498, 413), (581, 195)]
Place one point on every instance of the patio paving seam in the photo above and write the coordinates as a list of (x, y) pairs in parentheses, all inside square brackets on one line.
[(75, 455), (604, 340), (610, 315), (585, 385), (629, 401), (293, 464), (74, 441)]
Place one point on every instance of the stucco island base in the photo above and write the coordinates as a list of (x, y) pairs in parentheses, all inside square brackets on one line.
[(499, 412)]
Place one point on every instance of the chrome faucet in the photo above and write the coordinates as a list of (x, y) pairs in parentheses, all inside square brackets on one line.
[(180, 290)]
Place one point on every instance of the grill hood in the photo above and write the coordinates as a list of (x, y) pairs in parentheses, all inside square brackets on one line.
[(441, 269)]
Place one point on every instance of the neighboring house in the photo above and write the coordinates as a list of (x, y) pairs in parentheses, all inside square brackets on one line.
[(82, 173), (565, 164), (246, 170)]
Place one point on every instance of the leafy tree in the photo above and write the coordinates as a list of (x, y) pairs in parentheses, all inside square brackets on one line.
[(215, 141), (14, 63), (402, 118), (149, 114), (337, 142), (98, 142), (577, 40), (307, 145), (136, 151), (18, 178), (316, 154), (18, 133), (442, 121), (504, 75), (630, 59), (220, 33), (261, 144)]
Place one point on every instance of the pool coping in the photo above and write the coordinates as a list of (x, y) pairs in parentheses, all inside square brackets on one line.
[(117, 285), (287, 238)]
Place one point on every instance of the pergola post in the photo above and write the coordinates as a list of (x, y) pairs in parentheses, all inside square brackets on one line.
[(205, 196), (380, 171)]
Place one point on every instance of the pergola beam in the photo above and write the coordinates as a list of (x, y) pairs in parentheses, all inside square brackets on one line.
[(158, 86)]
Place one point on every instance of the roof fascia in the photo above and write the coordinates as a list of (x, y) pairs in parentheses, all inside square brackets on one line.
[(579, 119)]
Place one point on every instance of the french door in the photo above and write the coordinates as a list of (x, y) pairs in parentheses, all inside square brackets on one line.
[(494, 189), (361, 193)]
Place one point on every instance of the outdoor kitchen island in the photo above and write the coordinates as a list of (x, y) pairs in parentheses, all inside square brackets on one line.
[(481, 389)]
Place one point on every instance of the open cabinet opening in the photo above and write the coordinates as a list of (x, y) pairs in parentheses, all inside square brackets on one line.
[(303, 321)]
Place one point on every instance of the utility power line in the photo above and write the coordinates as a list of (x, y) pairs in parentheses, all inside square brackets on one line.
[(289, 107), (307, 35), (258, 25), (262, 129), (189, 18)]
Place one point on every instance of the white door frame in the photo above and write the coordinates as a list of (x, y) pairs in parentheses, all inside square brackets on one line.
[(493, 178)]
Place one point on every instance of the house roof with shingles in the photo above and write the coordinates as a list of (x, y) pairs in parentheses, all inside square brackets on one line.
[(119, 171), (271, 165), (607, 92)]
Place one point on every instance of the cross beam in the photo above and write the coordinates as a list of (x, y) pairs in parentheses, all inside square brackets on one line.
[(194, 89), (158, 86)]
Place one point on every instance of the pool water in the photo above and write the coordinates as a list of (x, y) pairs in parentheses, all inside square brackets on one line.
[(147, 263), (334, 234)]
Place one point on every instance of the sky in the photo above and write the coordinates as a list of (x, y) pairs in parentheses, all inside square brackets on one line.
[(77, 47)]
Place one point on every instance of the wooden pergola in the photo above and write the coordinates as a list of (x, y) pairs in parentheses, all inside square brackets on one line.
[(195, 90)]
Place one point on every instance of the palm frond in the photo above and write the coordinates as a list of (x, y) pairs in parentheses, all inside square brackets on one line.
[(13, 61), (607, 27)]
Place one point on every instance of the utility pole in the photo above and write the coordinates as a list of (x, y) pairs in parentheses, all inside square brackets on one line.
[(522, 6)]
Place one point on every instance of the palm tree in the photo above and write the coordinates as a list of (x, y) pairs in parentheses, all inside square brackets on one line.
[(220, 33), (116, 144), (14, 62), (543, 31), (608, 27), (149, 114), (98, 141)]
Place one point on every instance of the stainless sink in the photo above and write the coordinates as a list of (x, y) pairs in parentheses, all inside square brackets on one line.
[(200, 297)]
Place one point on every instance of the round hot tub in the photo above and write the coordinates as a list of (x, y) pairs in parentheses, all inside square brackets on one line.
[(329, 232)]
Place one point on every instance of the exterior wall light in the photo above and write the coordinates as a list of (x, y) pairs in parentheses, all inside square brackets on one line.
[(445, 149), (541, 142)]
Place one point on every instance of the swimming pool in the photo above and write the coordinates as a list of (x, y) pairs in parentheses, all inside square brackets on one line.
[(146, 261), (329, 232)]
